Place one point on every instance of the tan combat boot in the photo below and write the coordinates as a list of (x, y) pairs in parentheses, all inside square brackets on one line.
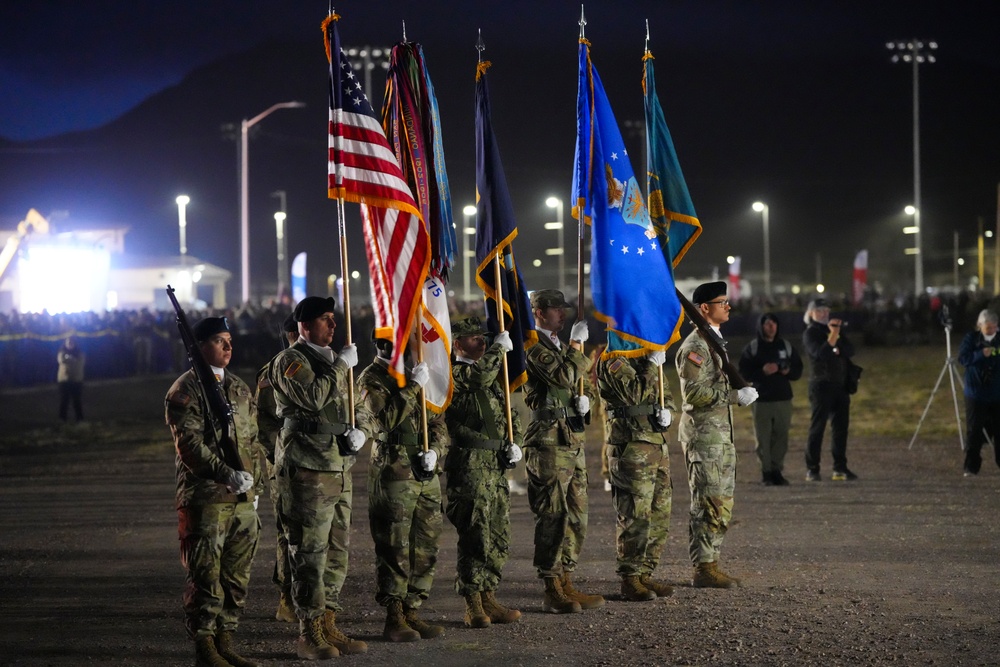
[(224, 644), (312, 644), (496, 611), (634, 591), (661, 589), (426, 630), (337, 639), (708, 575), (206, 655), (475, 617), (396, 628), (556, 601), (586, 601), (286, 609)]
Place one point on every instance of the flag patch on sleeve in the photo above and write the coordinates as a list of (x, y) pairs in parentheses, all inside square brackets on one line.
[(696, 358), (292, 369), (615, 365), (179, 398)]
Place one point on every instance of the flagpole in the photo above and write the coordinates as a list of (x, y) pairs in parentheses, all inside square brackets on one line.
[(423, 392), (579, 241), (503, 327), (342, 229), (660, 367)]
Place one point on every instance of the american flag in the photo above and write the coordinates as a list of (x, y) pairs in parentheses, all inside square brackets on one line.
[(363, 168)]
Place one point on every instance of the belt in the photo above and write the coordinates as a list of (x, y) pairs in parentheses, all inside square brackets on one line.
[(315, 428), (405, 439), (632, 411), (475, 443), (550, 413)]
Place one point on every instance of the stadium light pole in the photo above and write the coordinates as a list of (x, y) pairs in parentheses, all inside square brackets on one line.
[(182, 202), (245, 126), (279, 231), (467, 231), (557, 204), (764, 209), (913, 52)]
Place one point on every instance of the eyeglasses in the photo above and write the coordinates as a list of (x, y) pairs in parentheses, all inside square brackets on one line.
[(724, 302)]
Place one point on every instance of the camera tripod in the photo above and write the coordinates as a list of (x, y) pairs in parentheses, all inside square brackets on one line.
[(949, 368)]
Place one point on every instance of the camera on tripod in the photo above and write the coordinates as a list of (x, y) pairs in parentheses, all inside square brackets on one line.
[(945, 317)]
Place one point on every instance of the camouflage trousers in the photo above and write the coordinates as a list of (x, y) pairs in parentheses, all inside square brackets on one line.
[(405, 519), (479, 507), (641, 492), (711, 470), (282, 575), (218, 543), (316, 513), (557, 494)]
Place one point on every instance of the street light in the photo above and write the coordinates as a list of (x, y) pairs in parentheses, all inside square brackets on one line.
[(763, 209), (557, 204), (913, 52), (467, 231), (182, 202), (914, 229), (279, 228), (245, 126)]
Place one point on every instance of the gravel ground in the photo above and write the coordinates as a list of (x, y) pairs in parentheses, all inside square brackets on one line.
[(898, 567)]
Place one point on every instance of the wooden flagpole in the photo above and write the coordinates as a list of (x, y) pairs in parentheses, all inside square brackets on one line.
[(503, 327), (342, 229)]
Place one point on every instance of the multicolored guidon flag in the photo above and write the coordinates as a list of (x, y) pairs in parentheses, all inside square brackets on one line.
[(412, 124), (364, 169), (631, 281), (495, 234)]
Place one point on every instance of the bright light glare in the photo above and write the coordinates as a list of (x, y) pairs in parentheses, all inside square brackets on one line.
[(553, 202), (536, 263), (63, 279), (796, 289), (355, 275), (469, 210), (820, 288), (730, 259), (909, 209), (758, 206)]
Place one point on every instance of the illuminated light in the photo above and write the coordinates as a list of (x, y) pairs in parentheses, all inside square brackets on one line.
[(911, 251), (911, 230), (355, 275), (820, 288), (909, 209), (553, 225), (471, 231), (112, 300), (796, 289), (730, 259), (553, 202), (553, 251), (63, 279), (961, 261), (758, 206), (586, 268), (989, 233), (469, 210), (196, 276), (536, 263)]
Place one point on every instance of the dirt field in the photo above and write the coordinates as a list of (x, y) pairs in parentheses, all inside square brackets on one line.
[(898, 567)]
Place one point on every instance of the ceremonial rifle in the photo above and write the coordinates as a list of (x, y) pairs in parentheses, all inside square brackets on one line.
[(712, 339), (218, 404)]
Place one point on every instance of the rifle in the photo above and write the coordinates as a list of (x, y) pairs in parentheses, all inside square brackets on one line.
[(710, 337), (218, 404)]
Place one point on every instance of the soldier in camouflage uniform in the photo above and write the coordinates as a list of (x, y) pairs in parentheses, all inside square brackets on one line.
[(217, 522), (554, 451), (639, 466), (313, 456), (706, 435), (480, 452), (268, 425), (404, 493)]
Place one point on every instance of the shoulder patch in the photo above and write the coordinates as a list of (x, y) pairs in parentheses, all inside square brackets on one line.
[(264, 383), (292, 369), (695, 358), (615, 365), (179, 398), (546, 358)]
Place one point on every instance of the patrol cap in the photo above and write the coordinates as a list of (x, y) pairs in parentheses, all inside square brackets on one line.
[(467, 326), (818, 303), (290, 325), (707, 291), (548, 298), (312, 307), (207, 327)]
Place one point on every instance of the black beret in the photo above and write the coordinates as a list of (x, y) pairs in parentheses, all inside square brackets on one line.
[(818, 303), (290, 325), (707, 291), (207, 327), (312, 307)]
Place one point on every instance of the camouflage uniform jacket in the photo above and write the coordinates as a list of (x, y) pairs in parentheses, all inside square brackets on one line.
[(477, 410), (309, 389), (707, 414), (628, 382), (390, 415), (199, 461), (553, 378), (268, 423)]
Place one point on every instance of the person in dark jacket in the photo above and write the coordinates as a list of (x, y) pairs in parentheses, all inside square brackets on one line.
[(828, 349), (771, 364), (980, 355)]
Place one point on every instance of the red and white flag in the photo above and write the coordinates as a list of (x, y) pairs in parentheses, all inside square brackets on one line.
[(860, 282), (734, 280)]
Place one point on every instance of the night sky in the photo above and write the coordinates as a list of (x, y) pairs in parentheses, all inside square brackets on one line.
[(790, 102)]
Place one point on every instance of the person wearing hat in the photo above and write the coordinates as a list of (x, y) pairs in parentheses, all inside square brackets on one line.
[(554, 450), (828, 349), (639, 466), (404, 491), (771, 364), (706, 436), (268, 426), (216, 505), (313, 455), (480, 453)]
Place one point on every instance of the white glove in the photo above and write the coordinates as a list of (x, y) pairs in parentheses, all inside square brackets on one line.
[(514, 453), (237, 481), (349, 355), (657, 358), (746, 395), (503, 339), (428, 460), (256, 500), (355, 438), (580, 331), (582, 404), (664, 418), (420, 374)]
